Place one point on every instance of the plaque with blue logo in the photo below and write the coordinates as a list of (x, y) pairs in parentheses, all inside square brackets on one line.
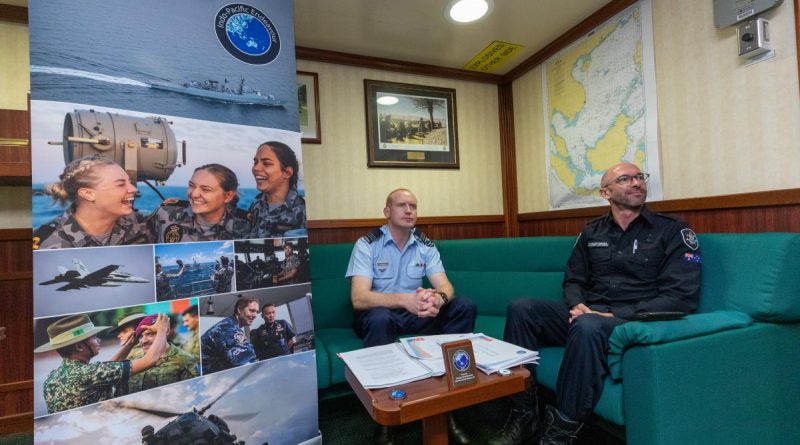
[(459, 361)]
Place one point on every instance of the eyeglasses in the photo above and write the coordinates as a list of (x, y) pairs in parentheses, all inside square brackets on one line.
[(624, 180)]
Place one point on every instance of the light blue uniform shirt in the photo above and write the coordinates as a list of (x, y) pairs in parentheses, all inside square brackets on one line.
[(391, 270)]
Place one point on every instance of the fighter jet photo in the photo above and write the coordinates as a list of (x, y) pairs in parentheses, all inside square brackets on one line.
[(79, 277)]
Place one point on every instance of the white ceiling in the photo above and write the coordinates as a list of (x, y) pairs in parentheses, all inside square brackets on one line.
[(417, 30)]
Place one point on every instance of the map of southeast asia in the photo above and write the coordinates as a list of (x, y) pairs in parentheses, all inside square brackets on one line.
[(600, 108)]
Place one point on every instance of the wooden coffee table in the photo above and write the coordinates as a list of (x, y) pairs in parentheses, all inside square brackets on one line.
[(430, 400)]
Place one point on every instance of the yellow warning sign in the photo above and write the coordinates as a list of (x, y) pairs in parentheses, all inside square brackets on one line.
[(493, 56)]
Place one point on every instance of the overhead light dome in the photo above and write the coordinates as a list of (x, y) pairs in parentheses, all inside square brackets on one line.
[(466, 11)]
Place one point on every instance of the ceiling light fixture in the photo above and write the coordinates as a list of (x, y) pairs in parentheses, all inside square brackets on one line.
[(467, 11), (387, 100)]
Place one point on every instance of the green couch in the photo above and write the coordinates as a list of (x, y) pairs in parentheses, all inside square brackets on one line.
[(729, 374)]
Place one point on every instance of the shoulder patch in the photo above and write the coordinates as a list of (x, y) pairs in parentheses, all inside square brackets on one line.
[(690, 239), (423, 239), (173, 233), (42, 233), (372, 235)]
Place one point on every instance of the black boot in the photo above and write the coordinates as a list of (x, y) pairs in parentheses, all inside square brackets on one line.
[(522, 421), (455, 433), (560, 430), (382, 436)]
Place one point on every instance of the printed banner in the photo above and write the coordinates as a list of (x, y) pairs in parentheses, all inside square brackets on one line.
[(172, 297)]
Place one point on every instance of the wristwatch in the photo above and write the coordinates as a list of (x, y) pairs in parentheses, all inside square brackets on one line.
[(445, 300)]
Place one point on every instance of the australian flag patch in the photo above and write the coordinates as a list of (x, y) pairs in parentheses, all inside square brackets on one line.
[(690, 257)]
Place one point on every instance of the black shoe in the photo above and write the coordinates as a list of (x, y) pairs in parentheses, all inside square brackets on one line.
[(455, 433), (518, 429), (382, 436), (560, 429)]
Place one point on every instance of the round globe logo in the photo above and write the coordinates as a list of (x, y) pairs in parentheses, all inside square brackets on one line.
[(247, 34), (461, 360)]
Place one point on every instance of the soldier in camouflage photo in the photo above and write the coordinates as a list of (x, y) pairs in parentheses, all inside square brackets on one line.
[(101, 213), (278, 210), (173, 366), (126, 326), (191, 319), (223, 276), (77, 381), (273, 338), (210, 213)]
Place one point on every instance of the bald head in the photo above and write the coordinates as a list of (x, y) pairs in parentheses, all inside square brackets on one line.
[(625, 187), (623, 168)]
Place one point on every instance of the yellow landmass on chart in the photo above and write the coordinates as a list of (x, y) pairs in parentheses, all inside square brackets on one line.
[(563, 172), (611, 148)]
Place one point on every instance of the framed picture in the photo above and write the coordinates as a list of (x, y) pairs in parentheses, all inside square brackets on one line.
[(308, 101), (410, 125)]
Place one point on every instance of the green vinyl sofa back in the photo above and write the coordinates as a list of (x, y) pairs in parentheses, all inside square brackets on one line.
[(728, 374)]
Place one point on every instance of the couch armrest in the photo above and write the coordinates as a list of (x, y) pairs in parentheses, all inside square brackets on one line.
[(733, 387), (654, 332)]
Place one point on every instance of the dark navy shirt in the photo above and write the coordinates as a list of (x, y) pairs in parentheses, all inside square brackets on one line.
[(654, 265)]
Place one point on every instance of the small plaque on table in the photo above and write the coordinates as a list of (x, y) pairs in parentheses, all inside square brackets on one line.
[(459, 363)]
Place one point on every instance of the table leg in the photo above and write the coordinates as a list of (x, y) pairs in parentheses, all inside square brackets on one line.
[(434, 430)]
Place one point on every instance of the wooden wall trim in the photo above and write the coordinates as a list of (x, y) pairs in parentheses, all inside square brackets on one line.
[(15, 234), (16, 386), (508, 158), (378, 63), (14, 14), (428, 220), (736, 201), (606, 12), (16, 423)]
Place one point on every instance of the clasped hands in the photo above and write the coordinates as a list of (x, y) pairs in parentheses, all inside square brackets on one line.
[(424, 303), (580, 309)]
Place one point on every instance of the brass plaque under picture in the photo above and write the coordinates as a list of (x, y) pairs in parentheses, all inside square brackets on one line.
[(459, 363)]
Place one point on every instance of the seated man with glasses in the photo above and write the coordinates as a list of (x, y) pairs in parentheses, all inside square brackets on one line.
[(628, 261)]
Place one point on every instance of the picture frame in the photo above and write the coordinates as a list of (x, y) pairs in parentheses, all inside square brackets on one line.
[(308, 106), (412, 126)]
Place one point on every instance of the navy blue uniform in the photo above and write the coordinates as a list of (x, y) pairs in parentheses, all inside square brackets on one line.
[(654, 265), (225, 346), (272, 340)]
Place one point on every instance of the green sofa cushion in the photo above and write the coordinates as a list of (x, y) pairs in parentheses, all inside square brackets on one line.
[(648, 333), (610, 406), (526, 254), (323, 363), (754, 273), (330, 303), (337, 340)]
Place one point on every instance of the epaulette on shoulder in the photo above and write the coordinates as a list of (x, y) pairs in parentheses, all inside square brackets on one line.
[(42, 233), (423, 239), (372, 235)]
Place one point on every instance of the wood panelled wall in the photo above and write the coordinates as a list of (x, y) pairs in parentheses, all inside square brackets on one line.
[(16, 313)]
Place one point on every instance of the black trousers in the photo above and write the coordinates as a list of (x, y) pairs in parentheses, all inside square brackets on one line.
[(381, 326), (535, 324)]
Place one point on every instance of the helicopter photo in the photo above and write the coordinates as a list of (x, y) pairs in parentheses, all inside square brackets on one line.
[(194, 427)]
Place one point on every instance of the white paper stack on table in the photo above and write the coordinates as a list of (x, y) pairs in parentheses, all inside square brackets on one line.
[(491, 354), (387, 365)]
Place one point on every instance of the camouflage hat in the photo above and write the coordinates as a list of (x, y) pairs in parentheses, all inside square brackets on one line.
[(146, 321), (70, 330), (132, 319)]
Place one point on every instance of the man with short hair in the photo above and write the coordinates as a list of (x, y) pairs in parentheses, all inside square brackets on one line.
[(223, 276), (191, 320), (386, 270), (273, 338), (631, 260), (77, 382), (225, 345), (174, 365), (288, 268)]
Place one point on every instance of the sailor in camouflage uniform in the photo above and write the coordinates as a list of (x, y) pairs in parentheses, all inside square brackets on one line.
[(101, 213), (225, 345), (289, 267), (210, 213), (173, 366), (279, 209), (77, 382), (222, 277)]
